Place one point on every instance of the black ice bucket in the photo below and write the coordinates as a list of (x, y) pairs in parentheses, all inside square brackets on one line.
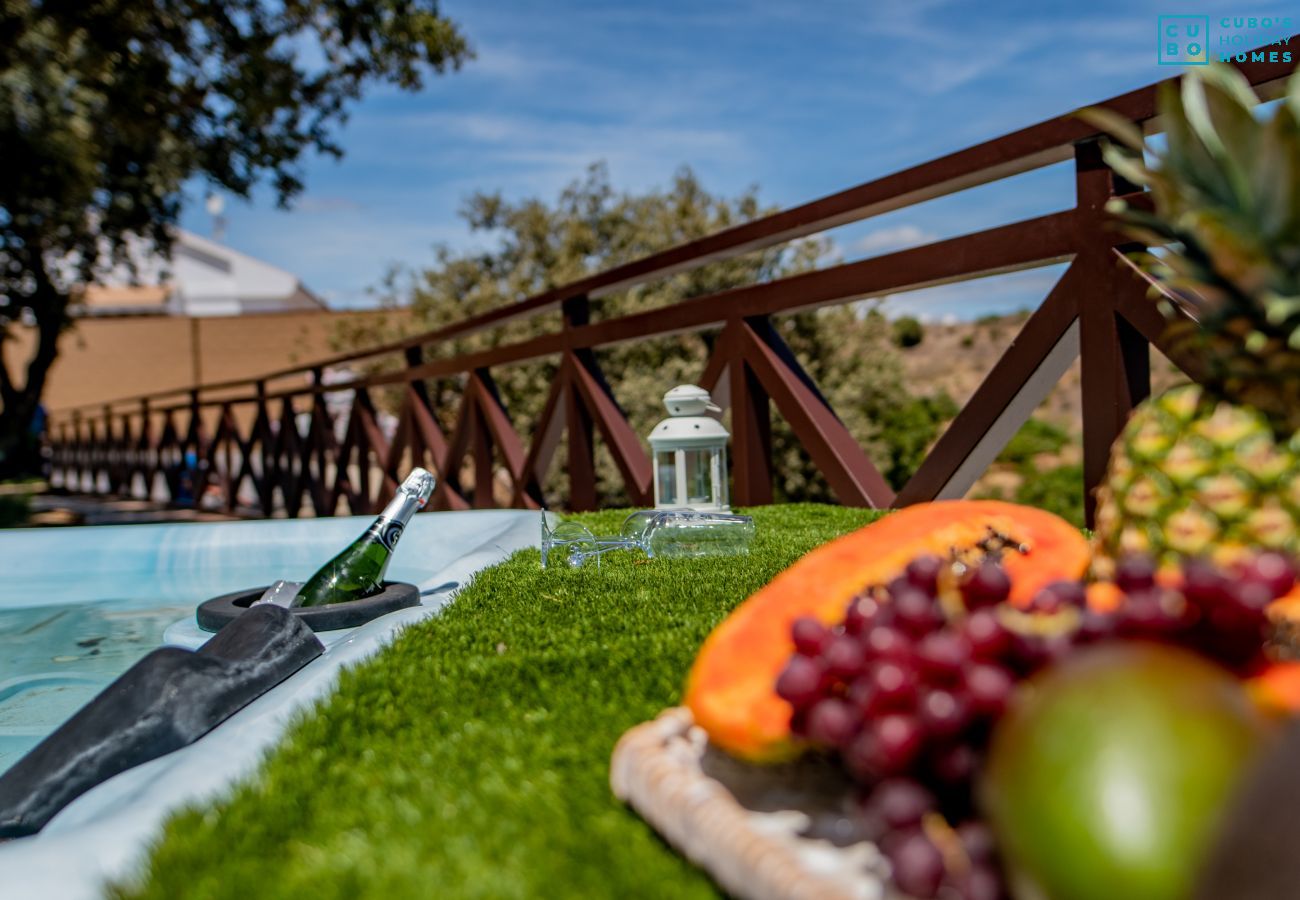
[(215, 614)]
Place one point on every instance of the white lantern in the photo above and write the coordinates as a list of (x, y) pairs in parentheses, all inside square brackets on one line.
[(690, 453)]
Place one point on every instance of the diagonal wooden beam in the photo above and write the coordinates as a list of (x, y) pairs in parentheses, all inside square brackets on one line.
[(1038, 357), (497, 421), (851, 474), (546, 440), (1144, 314), (376, 448), (1115, 361), (625, 445)]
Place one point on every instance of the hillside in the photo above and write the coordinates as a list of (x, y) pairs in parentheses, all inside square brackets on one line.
[(956, 358)]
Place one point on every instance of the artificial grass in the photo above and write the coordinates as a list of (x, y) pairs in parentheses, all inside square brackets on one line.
[(471, 757)]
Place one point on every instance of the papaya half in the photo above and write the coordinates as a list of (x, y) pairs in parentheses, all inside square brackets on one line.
[(731, 687)]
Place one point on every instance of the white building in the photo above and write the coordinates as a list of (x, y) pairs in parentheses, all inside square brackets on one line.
[(202, 278)]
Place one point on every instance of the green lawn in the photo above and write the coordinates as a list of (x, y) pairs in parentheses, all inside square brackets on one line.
[(471, 758)]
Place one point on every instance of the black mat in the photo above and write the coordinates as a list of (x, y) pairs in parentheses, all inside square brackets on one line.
[(166, 701), (217, 613)]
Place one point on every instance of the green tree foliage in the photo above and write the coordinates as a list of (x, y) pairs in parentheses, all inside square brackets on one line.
[(107, 107), (908, 331), (1058, 490), (532, 245), (1034, 437)]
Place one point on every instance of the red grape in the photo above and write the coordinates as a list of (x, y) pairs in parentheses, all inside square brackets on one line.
[(916, 612), (862, 614), (895, 804), (979, 883), (977, 840), (1135, 572), (810, 636), (1275, 571), (943, 713), (941, 655), (1203, 584), (916, 864), (923, 572), (987, 585), (1059, 595), (1095, 626), (888, 686), (1251, 596), (954, 764), (887, 642), (886, 746), (1150, 613), (832, 722), (987, 637), (844, 657), (989, 687), (799, 683)]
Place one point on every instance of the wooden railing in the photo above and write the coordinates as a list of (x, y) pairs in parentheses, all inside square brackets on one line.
[(187, 440)]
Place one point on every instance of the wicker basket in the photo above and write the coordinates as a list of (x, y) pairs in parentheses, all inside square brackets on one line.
[(761, 832)]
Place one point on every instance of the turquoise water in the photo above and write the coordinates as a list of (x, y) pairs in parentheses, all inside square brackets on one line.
[(79, 606), (53, 659)]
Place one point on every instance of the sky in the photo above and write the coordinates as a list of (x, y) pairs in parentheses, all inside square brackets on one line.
[(800, 99)]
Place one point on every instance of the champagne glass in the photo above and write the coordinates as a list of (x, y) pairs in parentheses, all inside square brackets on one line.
[(666, 533)]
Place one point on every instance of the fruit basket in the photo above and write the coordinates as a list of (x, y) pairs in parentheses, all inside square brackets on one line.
[(761, 832)]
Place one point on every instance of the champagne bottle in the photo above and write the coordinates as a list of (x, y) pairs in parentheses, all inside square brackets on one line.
[(358, 571)]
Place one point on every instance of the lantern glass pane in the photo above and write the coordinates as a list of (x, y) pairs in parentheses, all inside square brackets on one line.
[(666, 467), (699, 488)]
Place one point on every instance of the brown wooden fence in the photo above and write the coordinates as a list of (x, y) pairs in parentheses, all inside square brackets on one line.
[(290, 456)]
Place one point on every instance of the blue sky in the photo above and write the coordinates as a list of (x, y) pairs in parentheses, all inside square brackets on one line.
[(800, 99)]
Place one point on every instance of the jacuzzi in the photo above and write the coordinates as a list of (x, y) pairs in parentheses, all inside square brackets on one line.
[(78, 606)]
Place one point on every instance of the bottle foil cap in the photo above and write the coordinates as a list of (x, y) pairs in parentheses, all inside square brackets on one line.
[(419, 486)]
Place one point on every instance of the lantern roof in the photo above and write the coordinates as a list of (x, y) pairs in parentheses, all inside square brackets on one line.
[(688, 423)]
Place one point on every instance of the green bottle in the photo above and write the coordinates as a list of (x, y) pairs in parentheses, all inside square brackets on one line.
[(358, 571)]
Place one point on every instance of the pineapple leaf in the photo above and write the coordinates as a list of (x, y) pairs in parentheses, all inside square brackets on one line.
[(1112, 123), (1125, 162), (1280, 309), (1189, 165), (1226, 129), (1292, 99), (1230, 81), (1273, 178)]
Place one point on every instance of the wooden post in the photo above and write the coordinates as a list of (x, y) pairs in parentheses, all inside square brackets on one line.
[(1115, 357)]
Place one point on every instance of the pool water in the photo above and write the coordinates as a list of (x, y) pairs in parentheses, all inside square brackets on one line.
[(53, 659), (79, 606)]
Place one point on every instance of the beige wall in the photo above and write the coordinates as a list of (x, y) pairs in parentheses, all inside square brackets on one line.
[(103, 359)]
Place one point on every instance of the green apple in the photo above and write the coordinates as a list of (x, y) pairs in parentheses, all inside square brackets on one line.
[(1107, 777)]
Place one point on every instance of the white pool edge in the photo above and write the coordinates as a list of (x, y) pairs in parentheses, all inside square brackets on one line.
[(103, 835)]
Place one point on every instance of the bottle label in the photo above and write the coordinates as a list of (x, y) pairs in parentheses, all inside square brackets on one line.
[(387, 531)]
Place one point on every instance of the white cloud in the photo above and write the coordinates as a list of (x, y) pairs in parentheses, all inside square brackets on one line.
[(1007, 293), (896, 237)]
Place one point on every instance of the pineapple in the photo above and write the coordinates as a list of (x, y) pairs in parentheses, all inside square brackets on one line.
[(1214, 469)]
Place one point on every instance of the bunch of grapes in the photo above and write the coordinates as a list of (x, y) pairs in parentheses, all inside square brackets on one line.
[(907, 688)]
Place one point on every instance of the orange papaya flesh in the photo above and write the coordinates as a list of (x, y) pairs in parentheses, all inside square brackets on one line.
[(1276, 689), (1104, 596), (731, 687), (1286, 607)]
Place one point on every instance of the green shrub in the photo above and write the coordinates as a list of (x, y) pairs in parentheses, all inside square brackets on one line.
[(908, 332), (968, 341), (1033, 438), (907, 430), (1058, 491)]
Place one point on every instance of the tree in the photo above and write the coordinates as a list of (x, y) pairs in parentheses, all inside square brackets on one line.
[(908, 332), (107, 107), (534, 245)]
